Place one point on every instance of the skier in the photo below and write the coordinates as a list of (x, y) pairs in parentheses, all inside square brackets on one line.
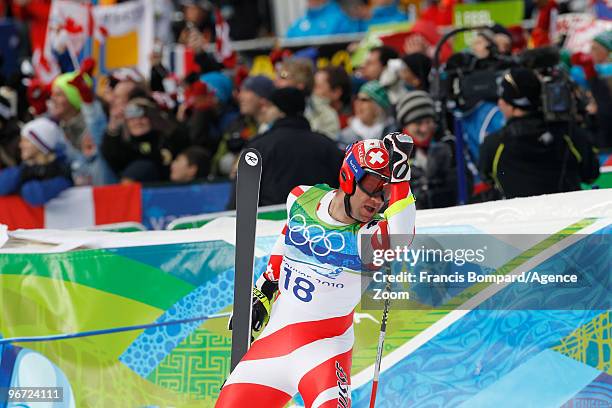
[(315, 268)]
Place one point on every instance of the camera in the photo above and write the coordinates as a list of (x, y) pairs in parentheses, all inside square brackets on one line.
[(465, 80)]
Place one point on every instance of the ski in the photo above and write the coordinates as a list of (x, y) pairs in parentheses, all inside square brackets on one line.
[(247, 198)]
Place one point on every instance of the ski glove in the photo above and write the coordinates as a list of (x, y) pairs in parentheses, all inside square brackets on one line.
[(399, 146), (260, 313), (261, 310)]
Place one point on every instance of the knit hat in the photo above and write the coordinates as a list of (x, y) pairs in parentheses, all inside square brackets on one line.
[(521, 88), (260, 85), (420, 65), (71, 92), (289, 100), (220, 84), (413, 106), (377, 93), (605, 40), (45, 134)]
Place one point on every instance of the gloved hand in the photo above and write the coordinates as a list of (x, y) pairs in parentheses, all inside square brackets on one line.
[(83, 82), (260, 313), (399, 145), (586, 62), (391, 74), (37, 94), (390, 79)]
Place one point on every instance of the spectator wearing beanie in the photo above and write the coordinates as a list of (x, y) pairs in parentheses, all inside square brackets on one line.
[(433, 166), (416, 73), (43, 173), (253, 97), (529, 156), (293, 154), (83, 122), (372, 119)]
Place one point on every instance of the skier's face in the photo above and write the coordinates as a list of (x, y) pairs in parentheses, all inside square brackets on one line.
[(365, 207)]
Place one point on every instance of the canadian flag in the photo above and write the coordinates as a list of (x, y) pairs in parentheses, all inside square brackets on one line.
[(96, 30), (223, 46), (78, 207)]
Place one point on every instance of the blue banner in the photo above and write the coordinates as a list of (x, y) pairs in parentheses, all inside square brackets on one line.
[(162, 205)]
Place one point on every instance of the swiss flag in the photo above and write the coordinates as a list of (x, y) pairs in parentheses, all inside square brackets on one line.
[(79, 207)]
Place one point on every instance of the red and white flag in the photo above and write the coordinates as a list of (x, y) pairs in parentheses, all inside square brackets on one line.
[(78, 207), (223, 46)]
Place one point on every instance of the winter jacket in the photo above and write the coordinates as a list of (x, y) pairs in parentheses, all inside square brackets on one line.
[(530, 157), (148, 150), (293, 155), (322, 117), (328, 19), (37, 184), (476, 124)]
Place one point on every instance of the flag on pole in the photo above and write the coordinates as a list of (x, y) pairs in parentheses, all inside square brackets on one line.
[(224, 51)]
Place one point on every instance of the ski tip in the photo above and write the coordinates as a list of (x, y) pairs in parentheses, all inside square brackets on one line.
[(251, 157)]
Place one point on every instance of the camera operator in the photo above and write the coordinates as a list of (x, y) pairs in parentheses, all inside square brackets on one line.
[(530, 156), (479, 116)]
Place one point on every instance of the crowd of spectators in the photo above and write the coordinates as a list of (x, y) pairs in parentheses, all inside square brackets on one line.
[(134, 127)]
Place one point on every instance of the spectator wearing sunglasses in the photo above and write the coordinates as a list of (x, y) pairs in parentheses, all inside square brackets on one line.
[(142, 152), (529, 156), (372, 119)]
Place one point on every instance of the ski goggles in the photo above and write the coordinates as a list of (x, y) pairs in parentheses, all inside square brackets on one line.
[(374, 185)]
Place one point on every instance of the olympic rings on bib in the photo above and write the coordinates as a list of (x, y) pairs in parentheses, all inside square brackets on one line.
[(314, 235)]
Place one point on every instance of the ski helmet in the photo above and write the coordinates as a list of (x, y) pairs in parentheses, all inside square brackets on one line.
[(365, 163)]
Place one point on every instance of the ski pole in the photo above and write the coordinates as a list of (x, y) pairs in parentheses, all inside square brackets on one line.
[(379, 351)]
